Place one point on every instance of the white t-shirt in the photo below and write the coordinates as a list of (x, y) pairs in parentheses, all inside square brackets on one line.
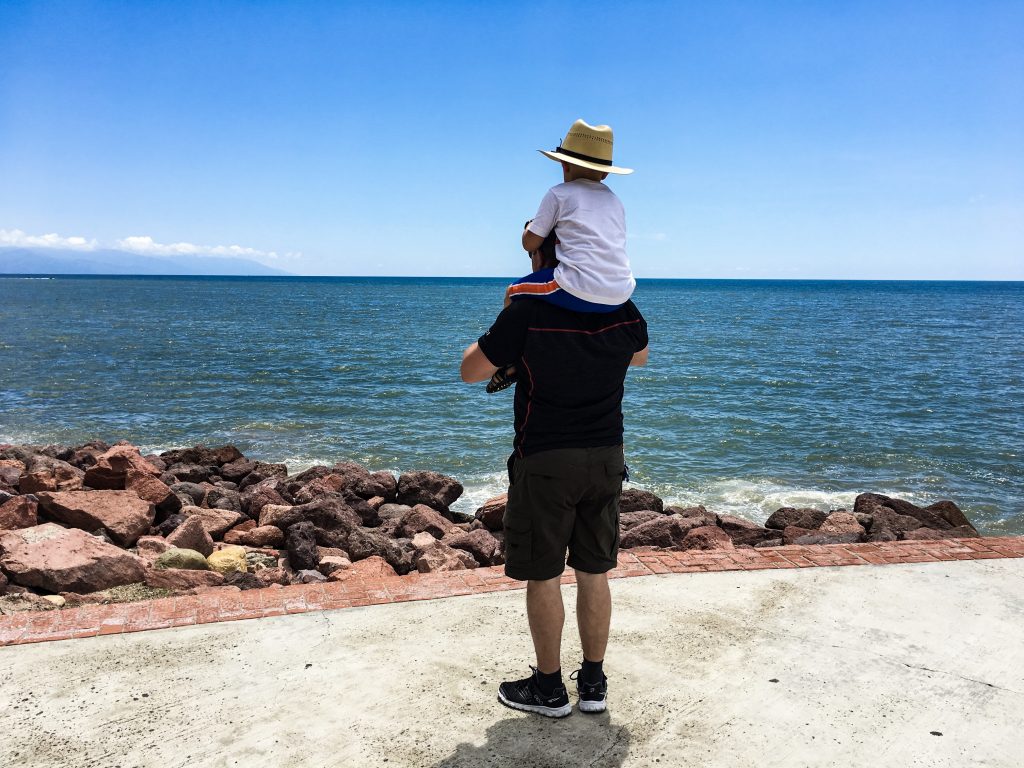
[(591, 227)]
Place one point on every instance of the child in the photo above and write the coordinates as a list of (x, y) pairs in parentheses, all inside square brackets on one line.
[(593, 273)]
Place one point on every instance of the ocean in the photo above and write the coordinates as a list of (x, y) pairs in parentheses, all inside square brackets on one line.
[(759, 394)]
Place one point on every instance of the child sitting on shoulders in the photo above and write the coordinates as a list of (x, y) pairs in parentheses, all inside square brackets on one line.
[(593, 272)]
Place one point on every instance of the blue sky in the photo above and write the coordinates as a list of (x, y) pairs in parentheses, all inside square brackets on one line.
[(776, 139)]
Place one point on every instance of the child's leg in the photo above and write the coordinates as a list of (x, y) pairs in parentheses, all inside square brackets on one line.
[(542, 285)]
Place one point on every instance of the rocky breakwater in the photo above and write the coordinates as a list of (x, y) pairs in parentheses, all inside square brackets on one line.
[(102, 523)]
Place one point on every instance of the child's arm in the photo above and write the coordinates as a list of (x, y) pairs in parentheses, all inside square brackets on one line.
[(531, 242)]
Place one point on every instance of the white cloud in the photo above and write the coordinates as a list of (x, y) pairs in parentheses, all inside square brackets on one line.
[(141, 244), (19, 239)]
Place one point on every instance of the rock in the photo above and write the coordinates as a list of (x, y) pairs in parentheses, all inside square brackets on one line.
[(330, 513), (228, 559), (261, 472), (433, 489), (18, 512), (255, 498), (422, 518), (181, 580), (951, 513), (258, 560), (636, 500), (743, 532), (960, 532), (392, 511), (308, 576), (111, 468), (664, 531), (492, 513), (782, 518), (24, 601), (479, 543), (46, 474), (364, 543), (123, 514), (706, 537), (300, 541), (243, 581), (11, 471), (422, 539), (870, 503), (3, 582), (633, 519), (268, 576), (695, 517), (369, 568), (257, 536), (184, 559), (888, 525), (235, 471), (769, 543), (441, 557), (216, 521), (793, 532), (149, 548), (317, 488), (223, 498), (57, 600), (364, 483), (190, 494), (190, 473), (192, 534), (170, 524), (151, 489), (841, 522), (329, 565), (57, 559)]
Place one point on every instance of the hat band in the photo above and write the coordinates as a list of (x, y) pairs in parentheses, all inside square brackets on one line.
[(581, 156)]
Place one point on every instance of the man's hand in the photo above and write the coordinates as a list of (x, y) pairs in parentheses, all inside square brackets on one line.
[(475, 365)]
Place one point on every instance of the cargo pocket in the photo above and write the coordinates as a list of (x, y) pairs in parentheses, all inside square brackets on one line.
[(518, 542)]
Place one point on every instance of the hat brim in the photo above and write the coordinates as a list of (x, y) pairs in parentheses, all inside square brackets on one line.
[(558, 157)]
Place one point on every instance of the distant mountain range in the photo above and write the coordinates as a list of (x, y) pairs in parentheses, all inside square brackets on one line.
[(56, 261)]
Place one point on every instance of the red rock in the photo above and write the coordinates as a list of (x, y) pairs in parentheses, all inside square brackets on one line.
[(365, 484), (268, 576), (422, 540), (695, 517), (370, 568), (808, 518), (433, 489), (423, 518), (636, 500), (259, 536), (707, 537), (441, 557), (192, 534), (111, 468), (839, 522), (329, 565), (330, 513), (10, 472), (236, 470), (150, 548), (479, 543), (317, 488), (122, 514), (817, 537), (960, 532), (59, 559), (492, 513), (179, 579), (153, 490), (18, 512), (216, 521), (793, 532), (664, 531), (364, 542), (46, 474), (745, 532)]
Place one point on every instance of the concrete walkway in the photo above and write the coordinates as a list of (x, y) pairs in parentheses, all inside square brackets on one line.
[(897, 665)]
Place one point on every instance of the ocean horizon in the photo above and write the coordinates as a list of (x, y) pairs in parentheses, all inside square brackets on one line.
[(760, 393)]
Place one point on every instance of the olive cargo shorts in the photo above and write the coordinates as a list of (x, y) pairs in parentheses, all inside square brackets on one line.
[(558, 500)]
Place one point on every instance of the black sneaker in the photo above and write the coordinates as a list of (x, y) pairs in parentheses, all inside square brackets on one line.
[(593, 696), (526, 696)]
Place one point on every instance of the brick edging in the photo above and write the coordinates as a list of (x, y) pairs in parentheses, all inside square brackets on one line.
[(93, 620)]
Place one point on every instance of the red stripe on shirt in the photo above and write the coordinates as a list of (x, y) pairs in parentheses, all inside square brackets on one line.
[(588, 333), (533, 289)]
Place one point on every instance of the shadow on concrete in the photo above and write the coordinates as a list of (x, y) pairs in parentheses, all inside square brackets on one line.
[(539, 742)]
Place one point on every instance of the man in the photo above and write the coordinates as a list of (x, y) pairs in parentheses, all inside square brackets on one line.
[(565, 477)]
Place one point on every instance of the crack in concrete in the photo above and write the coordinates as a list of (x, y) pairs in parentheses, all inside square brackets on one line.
[(615, 742)]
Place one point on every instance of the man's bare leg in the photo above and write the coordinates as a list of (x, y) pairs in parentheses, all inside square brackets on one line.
[(593, 613), (547, 615)]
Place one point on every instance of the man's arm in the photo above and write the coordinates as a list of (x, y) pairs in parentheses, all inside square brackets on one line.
[(475, 365), (639, 358)]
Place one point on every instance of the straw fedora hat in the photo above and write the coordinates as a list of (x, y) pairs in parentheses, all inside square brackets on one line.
[(589, 146)]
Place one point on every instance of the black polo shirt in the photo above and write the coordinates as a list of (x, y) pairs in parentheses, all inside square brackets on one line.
[(570, 371)]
